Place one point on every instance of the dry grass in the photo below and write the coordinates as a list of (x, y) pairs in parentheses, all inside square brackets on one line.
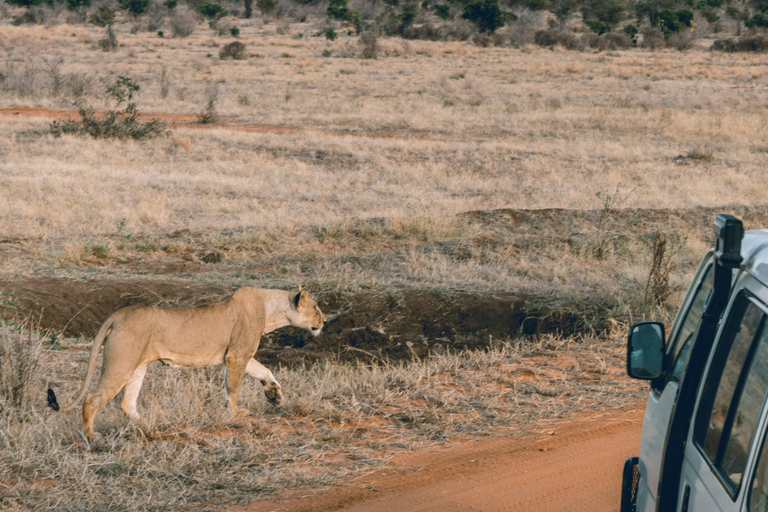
[(439, 129), (338, 421)]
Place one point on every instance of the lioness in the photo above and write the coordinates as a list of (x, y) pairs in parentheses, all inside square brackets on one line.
[(225, 332)]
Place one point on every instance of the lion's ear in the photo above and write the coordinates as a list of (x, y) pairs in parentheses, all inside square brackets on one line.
[(300, 298)]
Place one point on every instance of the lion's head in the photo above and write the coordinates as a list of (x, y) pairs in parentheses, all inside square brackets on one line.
[(305, 313)]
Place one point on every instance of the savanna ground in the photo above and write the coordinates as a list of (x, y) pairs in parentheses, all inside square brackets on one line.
[(439, 198)]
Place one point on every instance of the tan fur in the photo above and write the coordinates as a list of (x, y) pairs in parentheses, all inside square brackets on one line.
[(225, 332)]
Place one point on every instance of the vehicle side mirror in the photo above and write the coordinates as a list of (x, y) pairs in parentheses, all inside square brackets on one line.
[(645, 350)]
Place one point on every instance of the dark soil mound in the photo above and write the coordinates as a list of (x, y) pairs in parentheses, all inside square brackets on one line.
[(374, 325)]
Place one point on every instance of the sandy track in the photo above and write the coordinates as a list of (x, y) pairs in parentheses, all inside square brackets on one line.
[(569, 466)]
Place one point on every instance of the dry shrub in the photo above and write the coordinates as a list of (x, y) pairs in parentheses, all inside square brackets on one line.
[(522, 36), (483, 40), (18, 362), (681, 40), (653, 39), (564, 38), (370, 42), (209, 115), (183, 22), (234, 50), (426, 32), (459, 30), (657, 287), (613, 41), (757, 44)]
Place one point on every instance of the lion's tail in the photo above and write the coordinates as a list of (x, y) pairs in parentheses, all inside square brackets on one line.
[(98, 341)]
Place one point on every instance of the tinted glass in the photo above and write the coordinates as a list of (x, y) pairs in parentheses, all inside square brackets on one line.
[(747, 411), (758, 495), (734, 391), (682, 344)]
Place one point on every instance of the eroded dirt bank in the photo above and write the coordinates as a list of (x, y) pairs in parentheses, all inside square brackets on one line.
[(568, 466), (370, 325)]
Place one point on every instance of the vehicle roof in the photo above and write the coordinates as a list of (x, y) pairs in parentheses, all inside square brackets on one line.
[(754, 249)]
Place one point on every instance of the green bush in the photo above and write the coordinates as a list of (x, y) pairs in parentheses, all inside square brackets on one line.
[(234, 31), (485, 14), (134, 7), (170, 4), (442, 11), (112, 124), (598, 27), (74, 5), (212, 12), (758, 20), (266, 6), (671, 20), (330, 34), (632, 31), (337, 9)]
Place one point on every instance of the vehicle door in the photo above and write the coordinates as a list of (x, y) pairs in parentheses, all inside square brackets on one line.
[(664, 391), (721, 441)]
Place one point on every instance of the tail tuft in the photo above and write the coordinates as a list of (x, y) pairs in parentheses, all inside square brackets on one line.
[(52, 403)]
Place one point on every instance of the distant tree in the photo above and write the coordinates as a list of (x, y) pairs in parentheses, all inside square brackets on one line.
[(105, 17), (135, 7), (631, 30), (28, 3), (75, 5), (597, 26), (650, 9), (248, 4), (758, 20), (442, 11), (337, 9), (212, 12), (671, 20), (485, 14), (738, 15), (608, 12), (563, 9)]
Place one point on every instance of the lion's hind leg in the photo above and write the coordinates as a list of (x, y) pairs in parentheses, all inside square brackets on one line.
[(271, 387), (115, 375)]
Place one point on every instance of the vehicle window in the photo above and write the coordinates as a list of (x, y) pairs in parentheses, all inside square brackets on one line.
[(682, 344), (734, 391), (758, 494)]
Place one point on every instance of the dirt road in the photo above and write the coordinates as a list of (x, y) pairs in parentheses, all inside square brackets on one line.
[(569, 466)]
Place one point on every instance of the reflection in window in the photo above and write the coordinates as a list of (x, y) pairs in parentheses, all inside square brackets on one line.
[(690, 324), (735, 390)]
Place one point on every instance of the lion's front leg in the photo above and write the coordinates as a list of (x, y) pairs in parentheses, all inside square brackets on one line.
[(271, 387), (235, 371)]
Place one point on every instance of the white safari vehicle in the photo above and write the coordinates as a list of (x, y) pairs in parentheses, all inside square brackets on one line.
[(703, 444)]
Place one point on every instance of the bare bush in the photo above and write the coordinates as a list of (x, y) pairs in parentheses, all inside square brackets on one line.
[(427, 32), (18, 362), (610, 41), (211, 96), (183, 22), (483, 40), (757, 44), (234, 50), (653, 39), (156, 16), (564, 38), (681, 40), (460, 30), (370, 42)]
